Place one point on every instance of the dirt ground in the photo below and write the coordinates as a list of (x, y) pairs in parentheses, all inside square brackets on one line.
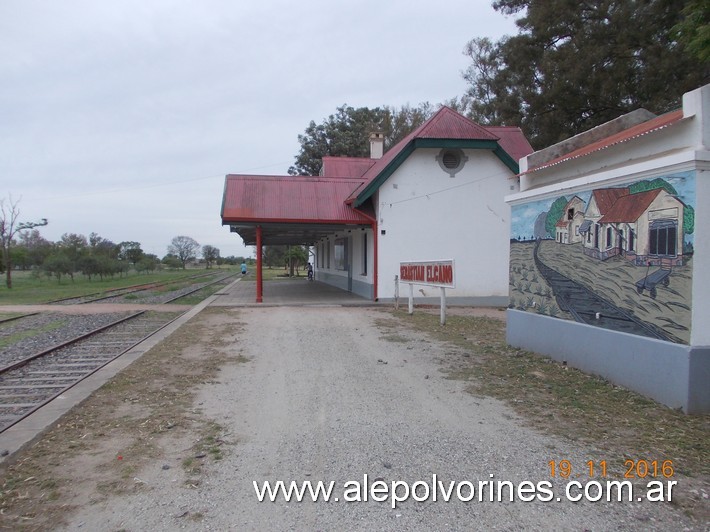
[(320, 394)]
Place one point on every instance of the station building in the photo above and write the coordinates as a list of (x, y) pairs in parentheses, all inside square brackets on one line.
[(610, 253), (436, 195)]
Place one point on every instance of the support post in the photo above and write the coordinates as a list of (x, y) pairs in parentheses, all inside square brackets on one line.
[(396, 292), (411, 298), (443, 306), (259, 278)]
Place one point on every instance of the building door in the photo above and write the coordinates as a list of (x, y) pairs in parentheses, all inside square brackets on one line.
[(349, 256)]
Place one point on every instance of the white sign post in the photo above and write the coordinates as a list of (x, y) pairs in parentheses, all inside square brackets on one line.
[(440, 273)]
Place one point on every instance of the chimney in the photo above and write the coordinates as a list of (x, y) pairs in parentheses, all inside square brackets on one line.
[(377, 145)]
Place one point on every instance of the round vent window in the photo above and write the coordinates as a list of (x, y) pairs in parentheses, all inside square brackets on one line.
[(451, 160)]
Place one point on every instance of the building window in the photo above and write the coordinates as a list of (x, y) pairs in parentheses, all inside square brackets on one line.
[(327, 254), (662, 238), (608, 237), (364, 253), (570, 214), (341, 254), (631, 240), (451, 160)]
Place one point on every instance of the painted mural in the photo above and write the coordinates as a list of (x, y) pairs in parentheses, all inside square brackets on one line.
[(618, 257)]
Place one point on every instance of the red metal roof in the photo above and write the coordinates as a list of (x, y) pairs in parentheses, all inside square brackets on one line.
[(606, 197), (512, 140), (636, 131), (629, 208), (258, 198), (346, 166), (448, 124)]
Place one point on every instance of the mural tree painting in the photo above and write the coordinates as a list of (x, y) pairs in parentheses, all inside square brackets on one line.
[(554, 214), (653, 184)]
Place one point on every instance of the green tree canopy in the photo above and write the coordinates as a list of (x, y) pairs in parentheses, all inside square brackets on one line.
[(575, 65), (554, 214), (347, 133), (130, 251), (693, 30)]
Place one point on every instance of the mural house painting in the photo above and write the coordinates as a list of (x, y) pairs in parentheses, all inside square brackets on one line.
[(612, 245), (608, 267)]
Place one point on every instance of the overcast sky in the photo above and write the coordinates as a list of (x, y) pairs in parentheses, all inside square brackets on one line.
[(123, 118)]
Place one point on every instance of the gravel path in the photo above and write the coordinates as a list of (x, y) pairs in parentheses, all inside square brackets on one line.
[(325, 397)]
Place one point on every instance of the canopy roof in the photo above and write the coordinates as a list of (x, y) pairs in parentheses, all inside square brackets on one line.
[(291, 210)]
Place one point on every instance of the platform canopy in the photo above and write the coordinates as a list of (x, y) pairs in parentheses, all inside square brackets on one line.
[(290, 209)]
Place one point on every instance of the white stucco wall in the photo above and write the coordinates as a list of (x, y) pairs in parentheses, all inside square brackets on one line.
[(339, 277), (428, 215), (700, 332)]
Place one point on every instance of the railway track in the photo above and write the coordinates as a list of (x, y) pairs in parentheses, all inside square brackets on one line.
[(28, 384), (19, 317), (116, 293)]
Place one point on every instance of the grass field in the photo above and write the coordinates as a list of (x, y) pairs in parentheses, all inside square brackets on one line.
[(273, 274), (28, 289)]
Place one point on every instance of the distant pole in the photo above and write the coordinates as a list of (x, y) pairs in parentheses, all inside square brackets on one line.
[(259, 278)]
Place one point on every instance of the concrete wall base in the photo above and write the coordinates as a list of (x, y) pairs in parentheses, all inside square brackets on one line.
[(482, 301), (673, 374), (360, 288)]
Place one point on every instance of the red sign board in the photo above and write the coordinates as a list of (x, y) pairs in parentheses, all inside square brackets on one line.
[(428, 272)]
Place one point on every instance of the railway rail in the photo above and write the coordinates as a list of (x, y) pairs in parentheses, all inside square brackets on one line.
[(28, 384), (123, 291)]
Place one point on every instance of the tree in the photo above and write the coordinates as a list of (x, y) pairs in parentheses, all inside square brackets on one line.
[(9, 227), (130, 252), (296, 256), (184, 248), (576, 65), (171, 261), (73, 246), (38, 248), (347, 133), (102, 247), (148, 263), (554, 214), (58, 264), (693, 30), (273, 255), (210, 254)]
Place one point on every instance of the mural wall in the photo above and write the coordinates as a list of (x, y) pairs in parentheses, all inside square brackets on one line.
[(618, 257)]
